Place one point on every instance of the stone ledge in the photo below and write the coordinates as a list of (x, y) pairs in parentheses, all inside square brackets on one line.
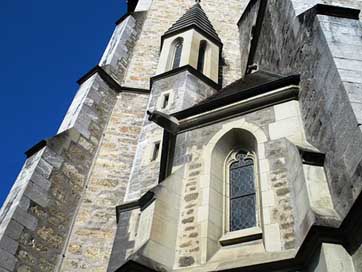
[(190, 69), (236, 105), (141, 204), (311, 157), (110, 81), (329, 10), (241, 236)]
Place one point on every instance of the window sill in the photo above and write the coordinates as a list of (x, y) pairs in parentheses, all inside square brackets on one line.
[(241, 236)]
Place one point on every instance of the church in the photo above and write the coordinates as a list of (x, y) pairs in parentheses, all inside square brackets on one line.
[(211, 136)]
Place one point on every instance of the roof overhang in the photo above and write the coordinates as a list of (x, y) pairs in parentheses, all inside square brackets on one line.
[(228, 100)]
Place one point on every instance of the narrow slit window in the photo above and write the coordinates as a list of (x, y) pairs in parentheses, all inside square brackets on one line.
[(242, 193), (156, 150), (177, 56), (201, 58), (166, 99)]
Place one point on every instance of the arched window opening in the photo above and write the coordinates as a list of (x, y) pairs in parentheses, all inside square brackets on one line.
[(242, 214), (201, 58), (234, 196), (177, 53)]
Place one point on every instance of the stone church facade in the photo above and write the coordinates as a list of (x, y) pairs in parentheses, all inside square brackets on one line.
[(211, 136)]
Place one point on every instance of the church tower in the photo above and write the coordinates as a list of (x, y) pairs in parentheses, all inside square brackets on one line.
[(211, 136)]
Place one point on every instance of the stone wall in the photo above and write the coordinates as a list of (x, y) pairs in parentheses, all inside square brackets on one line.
[(162, 14), (52, 192), (94, 228), (306, 45), (248, 20), (277, 130), (357, 259), (277, 124), (118, 53), (301, 6), (92, 236), (37, 216), (124, 241), (185, 90), (332, 258), (287, 44)]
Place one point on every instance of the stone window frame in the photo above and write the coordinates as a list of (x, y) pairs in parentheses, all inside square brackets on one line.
[(156, 148), (248, 234), (213, 237), (204, 46), (150, 148), (172, 52), (160, 100)]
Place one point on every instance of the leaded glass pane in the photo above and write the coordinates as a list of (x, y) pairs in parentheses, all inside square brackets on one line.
[(242, 181), (242, 213), (242, 193)]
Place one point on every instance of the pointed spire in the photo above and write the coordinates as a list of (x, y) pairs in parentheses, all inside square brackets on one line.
[(197, 18)]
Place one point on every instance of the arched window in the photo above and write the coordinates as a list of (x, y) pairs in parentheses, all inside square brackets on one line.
[(177, 53), (242, 213), (201, 58)]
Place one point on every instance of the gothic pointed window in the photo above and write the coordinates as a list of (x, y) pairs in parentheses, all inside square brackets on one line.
[(201, 58), (242, 214), (177, 53)]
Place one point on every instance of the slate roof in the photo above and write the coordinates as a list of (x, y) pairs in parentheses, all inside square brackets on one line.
[(249, 81), (194, 17), (251, 85)]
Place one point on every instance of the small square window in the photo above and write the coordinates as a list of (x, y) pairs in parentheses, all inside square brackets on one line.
[(166, 99), (156, 150)]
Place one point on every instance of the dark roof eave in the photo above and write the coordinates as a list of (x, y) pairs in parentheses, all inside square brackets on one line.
[(330, 10), (192, 70), (235, 97)]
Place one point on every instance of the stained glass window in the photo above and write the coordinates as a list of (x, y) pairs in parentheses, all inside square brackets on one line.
[(178, 51), (242, 193)]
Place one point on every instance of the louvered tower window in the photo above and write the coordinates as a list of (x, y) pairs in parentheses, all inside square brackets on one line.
[(177, 56), (242, 193), (201, 58)]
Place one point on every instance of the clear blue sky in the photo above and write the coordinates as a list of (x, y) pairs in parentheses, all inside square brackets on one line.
[(45, 46)]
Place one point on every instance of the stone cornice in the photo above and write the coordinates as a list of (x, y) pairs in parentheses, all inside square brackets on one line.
[(141, 204), (245, 94), (236, 109), (36, 148), (110, 81), (311, 157), (190, 69), (335, 11)]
